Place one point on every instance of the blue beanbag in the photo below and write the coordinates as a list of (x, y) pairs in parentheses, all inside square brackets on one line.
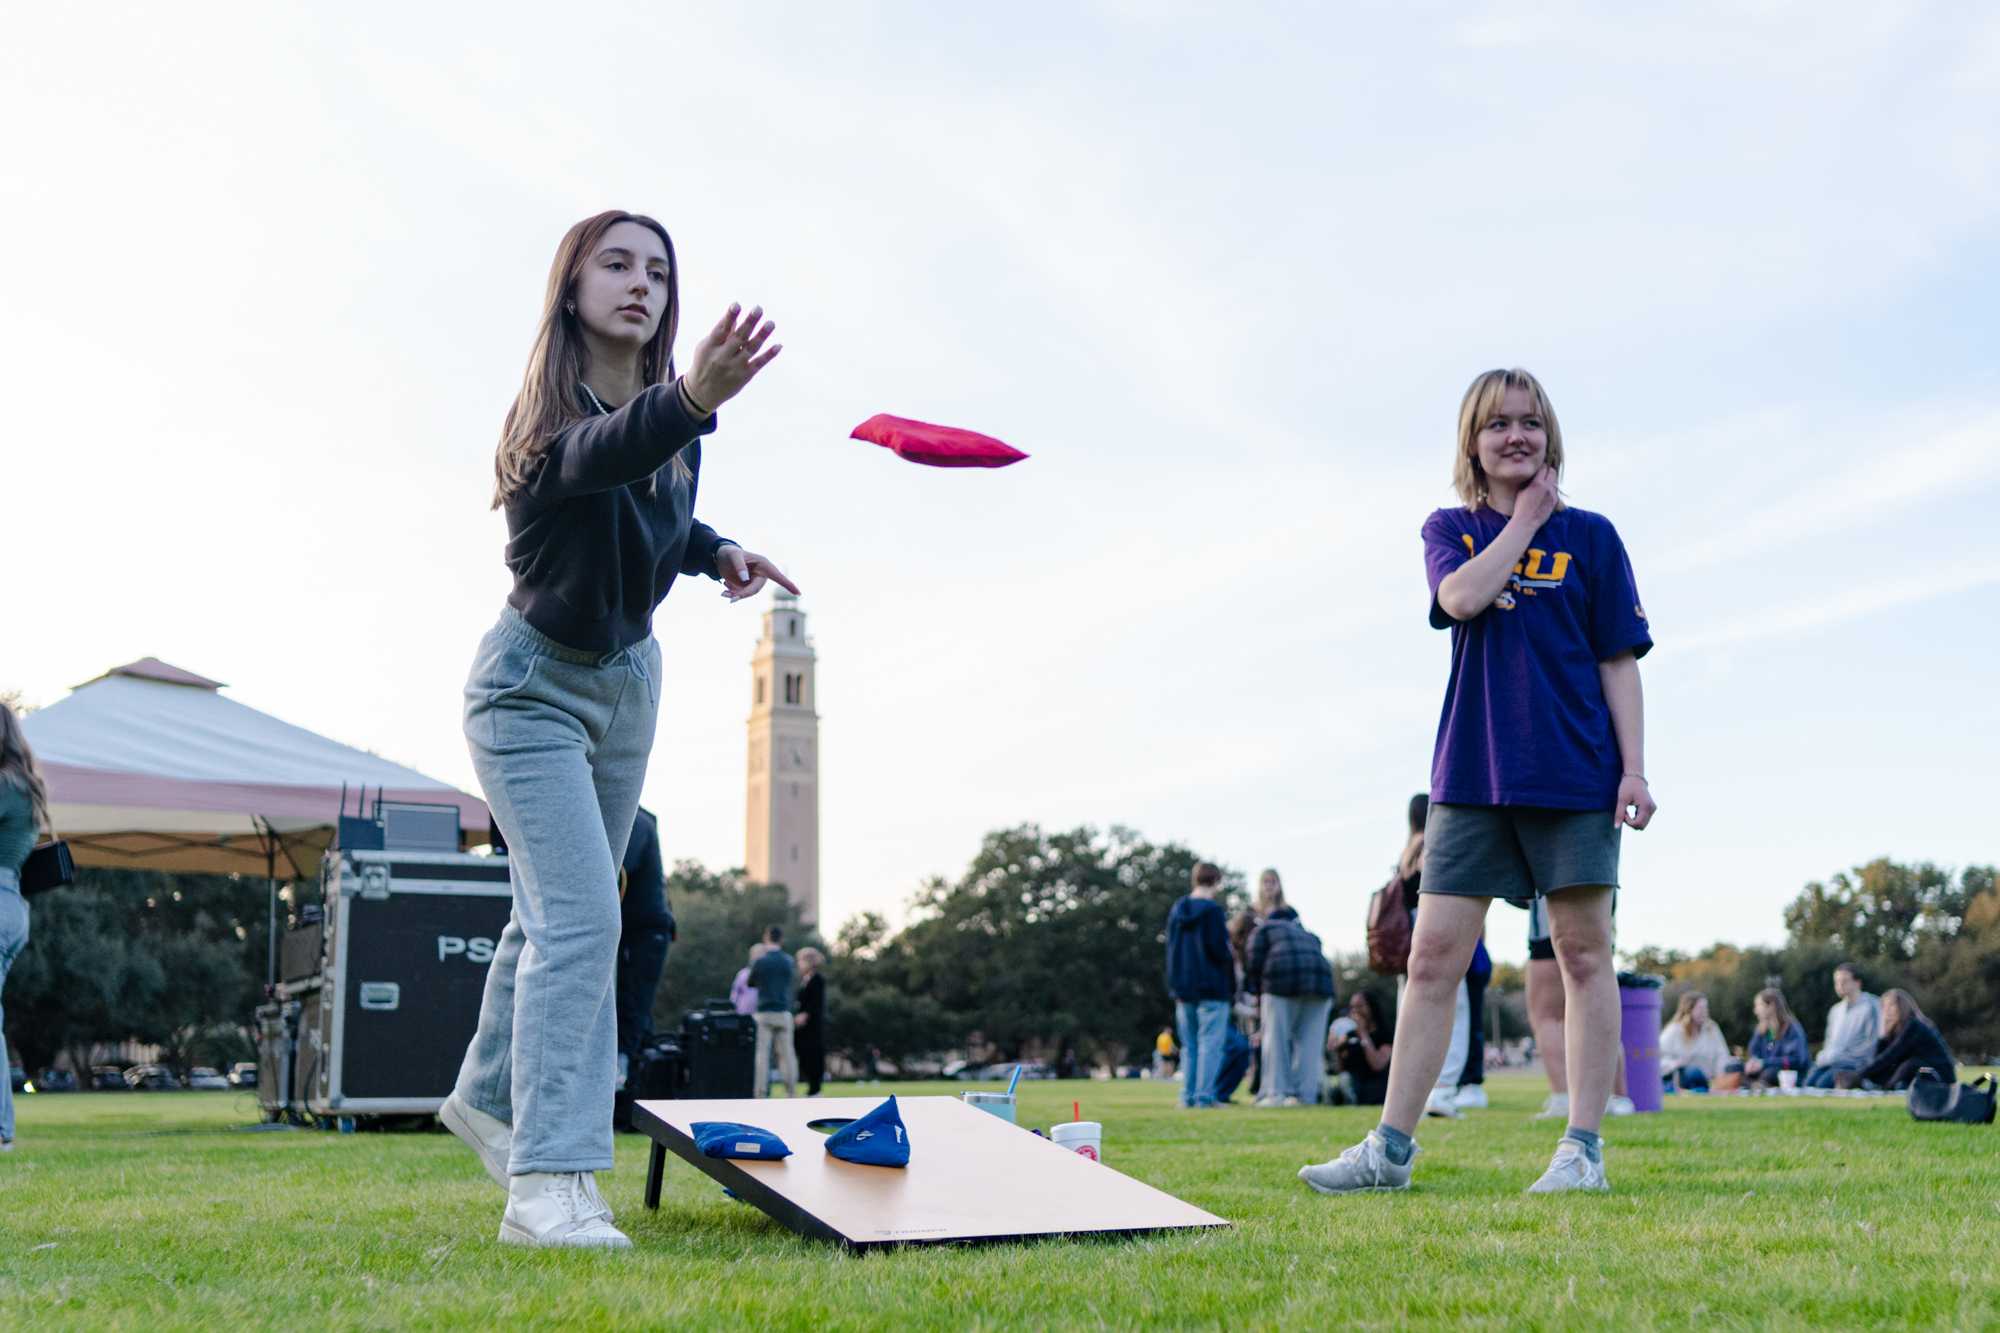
[(876, 1139), (727, 1138)]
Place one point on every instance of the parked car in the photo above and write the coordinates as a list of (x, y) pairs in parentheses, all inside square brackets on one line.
[(203, 1079), (151, 1078), (243, 1074), (109, 1078), (56, 1080)]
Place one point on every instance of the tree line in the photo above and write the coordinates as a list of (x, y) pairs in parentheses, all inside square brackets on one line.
[(1050, 942), (1918, 926)]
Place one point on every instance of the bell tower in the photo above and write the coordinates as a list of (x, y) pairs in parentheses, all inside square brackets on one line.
[(781, 833)]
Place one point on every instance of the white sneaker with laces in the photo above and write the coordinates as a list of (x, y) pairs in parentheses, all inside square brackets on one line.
[(1555, 1108), (560, 1208), (1571, 1169), (1471, 1097), (491, 1138), (1443, 1105), (1365, 1166), (1619, 1105)]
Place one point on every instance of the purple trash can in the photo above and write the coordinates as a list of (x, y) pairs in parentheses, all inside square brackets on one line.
[(1639, 1028)]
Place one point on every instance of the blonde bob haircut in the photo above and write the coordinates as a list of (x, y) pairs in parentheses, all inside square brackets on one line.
[(1481, 402)]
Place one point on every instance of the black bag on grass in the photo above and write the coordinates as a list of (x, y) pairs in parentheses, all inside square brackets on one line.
[(1932, 1098)]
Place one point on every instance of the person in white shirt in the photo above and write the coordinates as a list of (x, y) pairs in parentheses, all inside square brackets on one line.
[(1852, 1028), (1692, 1050)]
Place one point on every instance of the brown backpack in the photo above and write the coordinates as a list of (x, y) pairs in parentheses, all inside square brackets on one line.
[(1389, 928)]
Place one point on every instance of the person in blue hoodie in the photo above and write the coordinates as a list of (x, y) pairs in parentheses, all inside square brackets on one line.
[(1201, 976), (1778, 1043)]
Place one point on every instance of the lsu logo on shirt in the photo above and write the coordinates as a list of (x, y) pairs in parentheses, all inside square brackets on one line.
[(1540, 570)]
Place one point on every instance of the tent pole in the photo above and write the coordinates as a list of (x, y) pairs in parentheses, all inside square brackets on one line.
[(271, 933)]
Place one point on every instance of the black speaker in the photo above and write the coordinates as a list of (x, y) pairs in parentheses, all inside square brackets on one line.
[(719, 1047), (658, 1073)]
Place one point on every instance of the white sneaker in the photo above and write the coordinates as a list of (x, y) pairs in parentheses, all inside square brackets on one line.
[(560, 1208), (1471, 1097), (1571, 1169), (1442, 1105), (1555, 1108), (491, 1138), (1619, 1106), (1365, 1166), (1289, 1101)]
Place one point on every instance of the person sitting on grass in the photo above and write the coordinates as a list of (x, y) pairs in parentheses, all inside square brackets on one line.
[(1363, 1053), (1909, 1042), (1852, 1027), (1778, 1044), (1692, 1051)]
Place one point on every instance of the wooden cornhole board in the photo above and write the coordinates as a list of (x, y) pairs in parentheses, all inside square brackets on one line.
[(972, 1176)]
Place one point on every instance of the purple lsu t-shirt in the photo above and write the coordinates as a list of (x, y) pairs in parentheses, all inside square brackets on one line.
[(1524, 720)]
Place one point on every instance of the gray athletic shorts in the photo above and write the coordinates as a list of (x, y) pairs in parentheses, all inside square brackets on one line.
[(1517, 852)]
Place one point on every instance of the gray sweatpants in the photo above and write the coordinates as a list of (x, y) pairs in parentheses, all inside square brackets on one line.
[(559, 739)]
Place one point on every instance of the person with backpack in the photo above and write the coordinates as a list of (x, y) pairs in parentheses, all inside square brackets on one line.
[(1392, 917), (1539, 765), (1288, 968)]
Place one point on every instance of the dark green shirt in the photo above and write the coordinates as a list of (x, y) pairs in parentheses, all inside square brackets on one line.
[(17, 825)]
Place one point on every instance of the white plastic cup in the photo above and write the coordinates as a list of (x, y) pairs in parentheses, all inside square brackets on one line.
[(993, 1103), (1085, 1138), (1788, 1080)]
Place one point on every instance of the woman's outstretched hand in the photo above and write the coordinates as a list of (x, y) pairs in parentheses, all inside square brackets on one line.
[(730, 357), (744, 573)]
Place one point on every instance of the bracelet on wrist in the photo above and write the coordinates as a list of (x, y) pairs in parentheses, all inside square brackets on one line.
[(692, 403), (1640, 776)]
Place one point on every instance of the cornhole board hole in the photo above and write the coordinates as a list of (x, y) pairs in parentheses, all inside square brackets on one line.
[(972, 1176)]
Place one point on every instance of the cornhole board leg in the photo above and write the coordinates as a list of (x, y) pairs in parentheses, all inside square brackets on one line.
[(971, 1177), (655, 1169)]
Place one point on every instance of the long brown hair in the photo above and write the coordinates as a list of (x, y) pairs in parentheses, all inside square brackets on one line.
[(1907, 1011), (18, 767), (1781, 1013), (1684, 1013), (1481, 401), (547, 401)]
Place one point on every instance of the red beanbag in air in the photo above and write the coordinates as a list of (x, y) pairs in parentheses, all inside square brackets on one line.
[(936, 446)]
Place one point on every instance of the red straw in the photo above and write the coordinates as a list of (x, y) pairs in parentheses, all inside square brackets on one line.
[(1076, 1110)]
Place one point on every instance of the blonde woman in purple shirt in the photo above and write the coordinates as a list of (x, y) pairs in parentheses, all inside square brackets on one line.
[(1540, 762)]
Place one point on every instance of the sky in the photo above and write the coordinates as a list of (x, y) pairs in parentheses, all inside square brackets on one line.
[(275, 270)]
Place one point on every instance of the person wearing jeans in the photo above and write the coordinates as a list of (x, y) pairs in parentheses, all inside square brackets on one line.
[(772, 975), (1288, 967), (24, 811), (1853, 1026), (597, 470), (1201, 977)]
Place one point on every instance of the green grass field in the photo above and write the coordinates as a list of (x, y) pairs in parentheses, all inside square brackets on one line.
[(155, 1210)]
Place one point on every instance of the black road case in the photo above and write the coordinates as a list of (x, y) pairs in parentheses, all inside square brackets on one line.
[(408, 936)]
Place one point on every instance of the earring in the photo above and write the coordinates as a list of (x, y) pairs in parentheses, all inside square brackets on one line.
[(570, 306)]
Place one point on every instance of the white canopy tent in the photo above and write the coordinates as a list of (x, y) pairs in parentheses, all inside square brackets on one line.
[(149, 767)]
